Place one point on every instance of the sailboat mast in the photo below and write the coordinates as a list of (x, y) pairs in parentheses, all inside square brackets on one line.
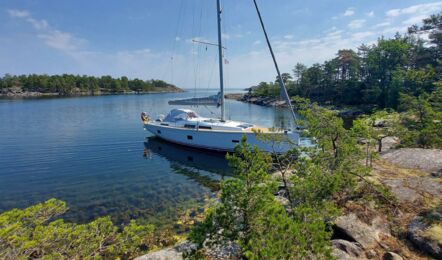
[(220, 54)]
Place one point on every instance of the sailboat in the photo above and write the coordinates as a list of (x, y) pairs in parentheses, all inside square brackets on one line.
[(186, 127)]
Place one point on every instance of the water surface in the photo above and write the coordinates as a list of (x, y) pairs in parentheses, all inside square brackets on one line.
[(91, 153)]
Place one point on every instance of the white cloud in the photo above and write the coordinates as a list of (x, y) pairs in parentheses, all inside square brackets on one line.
[(414, 19), (334, 34), (61, 40), (38, 24), (349, 12), (177, 39), (288, 36), (355, 24), (383, 24), (257, 42), (258, 65), (225, 36), (18, 13), (53, 38), (427, 9), (394, 29), (370, 14), (361, 35), (393, 12)]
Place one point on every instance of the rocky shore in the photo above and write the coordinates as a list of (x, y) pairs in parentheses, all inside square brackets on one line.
[(412, 231), (261, 101), (344, 112)]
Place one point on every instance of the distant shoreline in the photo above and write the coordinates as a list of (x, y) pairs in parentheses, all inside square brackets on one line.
[(33, 94)]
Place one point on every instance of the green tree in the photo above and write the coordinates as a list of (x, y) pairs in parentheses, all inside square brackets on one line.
[(249, 214), (372, 129), (433, 27), (421, 121), (298, 71), (383, 60), (124, 83)]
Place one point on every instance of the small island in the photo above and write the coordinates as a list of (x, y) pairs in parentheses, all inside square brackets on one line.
[(75, 85)]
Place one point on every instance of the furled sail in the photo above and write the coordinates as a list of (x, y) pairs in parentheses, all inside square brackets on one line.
[(214, 100)]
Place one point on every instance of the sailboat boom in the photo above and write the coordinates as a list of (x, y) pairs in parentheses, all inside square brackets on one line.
[(281, 82)]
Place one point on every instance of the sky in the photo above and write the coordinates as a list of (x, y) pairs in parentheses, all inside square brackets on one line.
[(154, 39)]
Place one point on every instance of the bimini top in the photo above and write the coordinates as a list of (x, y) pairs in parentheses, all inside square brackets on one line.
[(180, 114)]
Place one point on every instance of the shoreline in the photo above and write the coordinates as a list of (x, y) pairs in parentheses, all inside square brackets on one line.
[(260, 101), (32, 94), (343, 111)]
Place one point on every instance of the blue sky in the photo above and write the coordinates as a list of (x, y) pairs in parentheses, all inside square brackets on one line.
[(153, 39)]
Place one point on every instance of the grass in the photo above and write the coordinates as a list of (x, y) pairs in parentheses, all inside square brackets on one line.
[(434, 233)]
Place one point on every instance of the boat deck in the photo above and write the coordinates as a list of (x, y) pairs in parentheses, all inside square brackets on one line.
[(259, 129)]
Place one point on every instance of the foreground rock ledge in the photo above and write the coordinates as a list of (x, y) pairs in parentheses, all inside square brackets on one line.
[(171, 253)]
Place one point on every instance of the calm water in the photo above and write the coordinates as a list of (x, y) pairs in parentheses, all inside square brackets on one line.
[(91, 153)]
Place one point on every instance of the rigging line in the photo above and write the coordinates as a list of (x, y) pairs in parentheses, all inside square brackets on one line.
[(210, 111), (196, 51), (225, 22), (281, 83), (194, 63), (211, 72), (200, 28), (177, 28)]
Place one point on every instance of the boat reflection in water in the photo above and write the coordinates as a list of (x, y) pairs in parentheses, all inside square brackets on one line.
[(205, 167)]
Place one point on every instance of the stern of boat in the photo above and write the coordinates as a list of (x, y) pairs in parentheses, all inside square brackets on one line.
[(145, 118)]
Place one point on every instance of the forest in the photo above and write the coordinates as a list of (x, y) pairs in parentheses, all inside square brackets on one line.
[(373, 75), (68, 84), (399, 78)]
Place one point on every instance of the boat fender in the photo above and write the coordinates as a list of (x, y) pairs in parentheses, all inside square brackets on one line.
[(144, 117)]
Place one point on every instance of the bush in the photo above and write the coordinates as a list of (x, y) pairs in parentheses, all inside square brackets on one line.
[(33, 233)]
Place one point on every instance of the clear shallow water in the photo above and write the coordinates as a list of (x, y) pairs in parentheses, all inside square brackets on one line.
[(91, 153)]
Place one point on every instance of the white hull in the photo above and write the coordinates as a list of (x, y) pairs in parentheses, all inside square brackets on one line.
[(221, 140)]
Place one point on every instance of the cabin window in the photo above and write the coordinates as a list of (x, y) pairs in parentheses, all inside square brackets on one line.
[(165, 124), (189, 137), (235, 141), (189, 126), (204, 127), (158, 131)]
